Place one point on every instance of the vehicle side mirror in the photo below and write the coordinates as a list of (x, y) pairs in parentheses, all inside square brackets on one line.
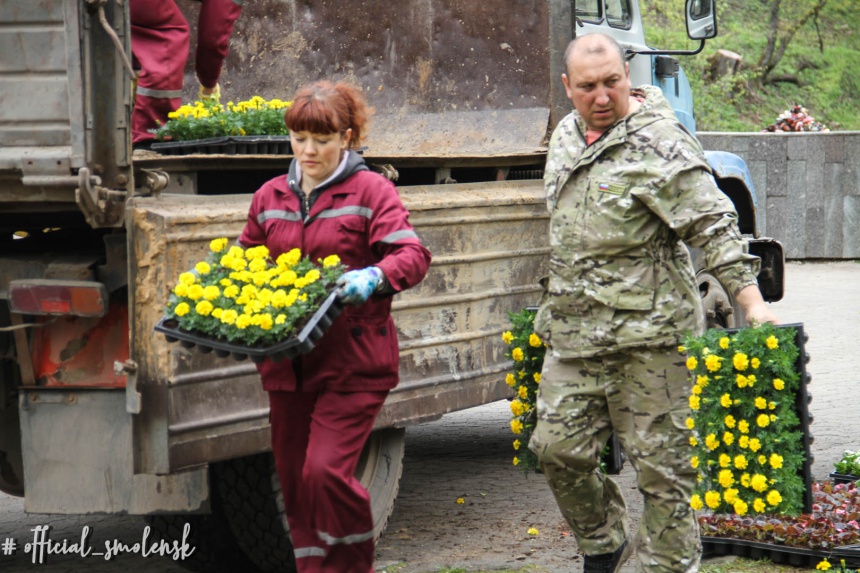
[(701, 16)]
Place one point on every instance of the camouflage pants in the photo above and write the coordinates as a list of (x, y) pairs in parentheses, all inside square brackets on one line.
[(643, 396)]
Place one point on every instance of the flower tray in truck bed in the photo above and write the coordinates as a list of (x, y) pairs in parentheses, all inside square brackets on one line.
[(228, 145), (301, 343)]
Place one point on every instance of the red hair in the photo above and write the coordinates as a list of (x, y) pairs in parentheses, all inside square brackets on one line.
[(324, 107)]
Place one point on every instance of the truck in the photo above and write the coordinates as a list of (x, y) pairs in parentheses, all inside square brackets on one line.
[(98, 414)]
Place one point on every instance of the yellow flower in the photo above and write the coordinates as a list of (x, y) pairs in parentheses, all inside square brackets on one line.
[(218, 245), (760, 403), (775, 461), (725, 401), (517, 354), (211, 292), (741, 507), (695, 402), (824, 565), (202, 268), (516, 461), (771, 405), (740, 361), (728, 438), (517, 444), (216, 312), (203, 308), (516, 426), (772, 342), (758, 483), (726, 478), (702, 380), (691, 423), (231, 291), (182, 309), (745, 479), (762, 421), (460, 501), (712, 442), (751, 380), (741, 462), (724, 343), (257, 265), (507, 336), (523, 392), (694, 441), (729, 421), (281, 319), (778, 384), (758, 505), (762, 459), (755, 363), (229, 316), (532, 531), (681, 349), (730, 495), (713, 362), (517, 408), (692, 363), (534, 340), (243, 321), (773, 497), (510, 380), (696, 502), (187, 279), (755, 444), (289, 259), (537, 377), (744, 442), (266, 321), (195, 292), (697, 389), (712, 499), (725, 461), (742, 381), (331, 261), (180, 289), (743, 427), (694, 461)]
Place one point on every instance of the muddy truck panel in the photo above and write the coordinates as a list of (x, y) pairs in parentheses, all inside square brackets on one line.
[(488, 246)]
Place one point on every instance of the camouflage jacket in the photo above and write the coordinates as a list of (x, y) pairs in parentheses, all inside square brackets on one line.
[(621, 210)]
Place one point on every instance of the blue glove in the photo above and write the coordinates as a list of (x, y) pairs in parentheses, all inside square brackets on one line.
[(357, 286)]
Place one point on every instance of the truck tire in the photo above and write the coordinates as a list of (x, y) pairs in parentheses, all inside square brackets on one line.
[(215, 547), (255, 508), (721, 308)]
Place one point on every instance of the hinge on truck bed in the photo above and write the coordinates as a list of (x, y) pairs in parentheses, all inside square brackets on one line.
[(101, 207)]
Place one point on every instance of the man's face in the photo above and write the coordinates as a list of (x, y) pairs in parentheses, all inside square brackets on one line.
[(598, 84)]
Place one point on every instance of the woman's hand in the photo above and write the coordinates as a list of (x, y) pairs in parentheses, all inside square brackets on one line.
[(357, 286)]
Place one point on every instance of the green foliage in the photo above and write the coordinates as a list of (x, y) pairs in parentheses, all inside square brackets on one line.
[(849, 464), (202, 120), (821, 57), (747, 435)]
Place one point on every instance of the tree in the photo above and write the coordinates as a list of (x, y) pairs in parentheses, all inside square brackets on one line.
[(781, 31)]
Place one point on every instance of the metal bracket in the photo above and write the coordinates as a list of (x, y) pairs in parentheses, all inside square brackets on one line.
[(101, 207)]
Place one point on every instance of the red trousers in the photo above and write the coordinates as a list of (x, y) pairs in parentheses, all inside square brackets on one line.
[(317, 439), (160, 41)]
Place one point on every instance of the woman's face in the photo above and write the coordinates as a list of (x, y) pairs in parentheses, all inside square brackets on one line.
[(318, 154)]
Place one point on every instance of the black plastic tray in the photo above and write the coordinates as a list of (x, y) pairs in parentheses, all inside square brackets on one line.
[(302, 343), (779, 554), (229, 145), (843, 478)]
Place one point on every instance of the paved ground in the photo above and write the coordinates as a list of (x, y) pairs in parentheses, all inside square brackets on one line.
[(468, 455)]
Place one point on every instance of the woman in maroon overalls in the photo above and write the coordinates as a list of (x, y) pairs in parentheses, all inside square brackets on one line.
[(324, 403)]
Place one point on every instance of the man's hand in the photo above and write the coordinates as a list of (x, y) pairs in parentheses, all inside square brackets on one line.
[(357, 286), (755, 308)]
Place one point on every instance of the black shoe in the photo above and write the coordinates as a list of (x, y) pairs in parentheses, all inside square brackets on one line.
[(607, 562)]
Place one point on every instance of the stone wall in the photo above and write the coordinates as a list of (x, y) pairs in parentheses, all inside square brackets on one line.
[(807, 187)]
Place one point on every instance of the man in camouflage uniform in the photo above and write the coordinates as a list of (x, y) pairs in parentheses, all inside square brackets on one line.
[(626, 186)]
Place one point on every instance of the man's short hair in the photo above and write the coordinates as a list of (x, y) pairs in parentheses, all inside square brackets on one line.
[(595, 48)]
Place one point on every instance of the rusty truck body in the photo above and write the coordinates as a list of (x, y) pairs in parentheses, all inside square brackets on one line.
[(100, 414)]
